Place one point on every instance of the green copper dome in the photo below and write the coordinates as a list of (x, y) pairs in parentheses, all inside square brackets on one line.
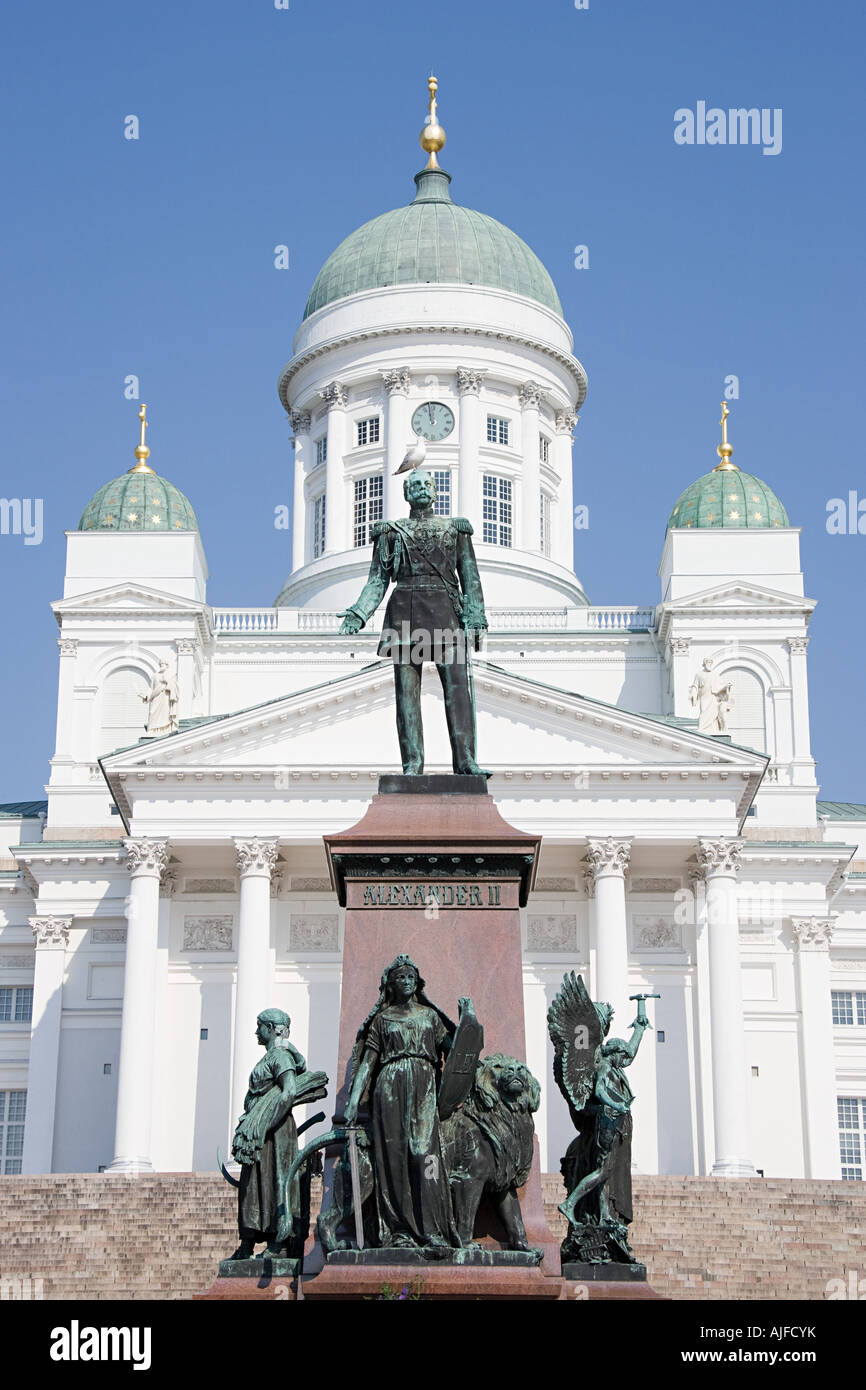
[(432, 241), (138, 501), (730, 498)]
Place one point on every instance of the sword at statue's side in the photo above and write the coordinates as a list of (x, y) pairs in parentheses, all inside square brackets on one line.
[(352, 1136)]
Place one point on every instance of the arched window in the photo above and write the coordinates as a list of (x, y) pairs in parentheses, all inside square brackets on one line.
[(746, 720), (124, 715)]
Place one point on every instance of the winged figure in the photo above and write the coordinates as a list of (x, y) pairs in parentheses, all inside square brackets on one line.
[(589, 1069)]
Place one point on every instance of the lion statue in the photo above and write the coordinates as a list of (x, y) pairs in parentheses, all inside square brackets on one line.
[(488, 1146)]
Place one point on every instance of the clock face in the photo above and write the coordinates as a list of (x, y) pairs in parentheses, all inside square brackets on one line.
[(433, 420)]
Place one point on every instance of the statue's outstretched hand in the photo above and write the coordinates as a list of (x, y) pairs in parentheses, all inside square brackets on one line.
[(351, 623)]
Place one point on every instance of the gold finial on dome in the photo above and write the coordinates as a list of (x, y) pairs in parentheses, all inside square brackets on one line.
[(724, 450), (142, 453), (432, 137)]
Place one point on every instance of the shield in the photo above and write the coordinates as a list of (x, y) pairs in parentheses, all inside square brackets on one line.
[(458, 1073)]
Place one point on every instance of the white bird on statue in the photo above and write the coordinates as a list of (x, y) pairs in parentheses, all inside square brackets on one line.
[(413, 458)]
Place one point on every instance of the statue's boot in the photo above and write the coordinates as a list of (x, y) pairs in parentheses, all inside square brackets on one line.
[(410, 731), (460, 718)]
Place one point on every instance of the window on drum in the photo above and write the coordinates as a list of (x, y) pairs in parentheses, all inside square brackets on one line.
[(368, 507), (496, 510)]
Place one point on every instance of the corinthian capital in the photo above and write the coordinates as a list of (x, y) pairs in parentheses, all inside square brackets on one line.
[(397, 381), (797, 645), (51, 931), (719, 856), (530, 395), (608, 856), (812, 933), (335, 395), (565, 421), (301, 420), (146, 856), (68, 646), (469, 381), (256, 856)]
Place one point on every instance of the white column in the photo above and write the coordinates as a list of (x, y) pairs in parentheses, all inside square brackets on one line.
[(609, 860), (301, 420), (800, 699), (335, 397), (469, 472), (563, 524), (529, 535), (812, 936), (256, 859), (720, 860), (147, 859), (398, 437), (52, 938), (65, 742), (185, 647)]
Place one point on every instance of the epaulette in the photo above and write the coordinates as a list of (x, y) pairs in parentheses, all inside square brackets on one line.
[(378, 529), (462, 524)]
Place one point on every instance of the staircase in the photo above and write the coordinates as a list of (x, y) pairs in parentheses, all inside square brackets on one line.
[(162, 1235)]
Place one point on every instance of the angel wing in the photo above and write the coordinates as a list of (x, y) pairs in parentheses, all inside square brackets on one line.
[(576, 1034)]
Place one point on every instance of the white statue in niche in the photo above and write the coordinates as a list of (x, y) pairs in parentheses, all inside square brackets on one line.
[(162, 699), (713, 703)]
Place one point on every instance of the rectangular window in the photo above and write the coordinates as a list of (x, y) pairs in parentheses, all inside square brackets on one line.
[(496, 510), (543, 448), (849, 1007), (497, 430), (544, 524), (13, 1106), (368, 430), (368, 506), (852, 1136), (442, 505), (322, 450), (16, 1004), (319, 526)]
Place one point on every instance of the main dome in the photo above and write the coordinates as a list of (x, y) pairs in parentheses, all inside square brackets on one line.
[(432, 241)]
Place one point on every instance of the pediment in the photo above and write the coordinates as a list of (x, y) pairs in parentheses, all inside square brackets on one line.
[(347, 722), (125, 598), (740, 594)]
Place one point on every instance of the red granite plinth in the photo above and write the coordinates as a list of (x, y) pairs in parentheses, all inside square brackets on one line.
[(441, 877), (449, 1282)]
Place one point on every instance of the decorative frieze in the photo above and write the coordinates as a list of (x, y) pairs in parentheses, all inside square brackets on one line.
[(13, 961), (651, 932), (198, 887), (554, 885), (314, 932), (335, 394), (256, 856), (812, 933), (608, 856), (655, 885), (50, 931), (105, 936), (146, 856), (397, 381), (719, 856), (310, 885), (552, 932), (469, 382), (207, 933)]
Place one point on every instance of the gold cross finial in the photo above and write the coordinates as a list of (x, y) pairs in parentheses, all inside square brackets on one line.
[(142, 453), (724, 450), (432, 137)]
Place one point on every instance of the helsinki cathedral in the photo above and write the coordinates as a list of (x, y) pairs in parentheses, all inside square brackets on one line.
[(174, 883)]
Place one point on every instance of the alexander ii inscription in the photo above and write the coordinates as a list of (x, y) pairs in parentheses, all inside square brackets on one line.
[(424, 895)]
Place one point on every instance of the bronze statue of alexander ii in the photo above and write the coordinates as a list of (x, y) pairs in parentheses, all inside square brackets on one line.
[(435, 613)]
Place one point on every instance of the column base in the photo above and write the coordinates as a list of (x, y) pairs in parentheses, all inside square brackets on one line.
[(130, 1165), (733, 1168)]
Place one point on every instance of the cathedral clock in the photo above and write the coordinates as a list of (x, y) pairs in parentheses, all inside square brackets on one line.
[(433, 420)]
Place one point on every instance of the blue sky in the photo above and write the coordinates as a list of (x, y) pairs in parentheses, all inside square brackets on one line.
[(261, 126)]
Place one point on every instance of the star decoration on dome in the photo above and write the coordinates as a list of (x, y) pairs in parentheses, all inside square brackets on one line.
[(734, 515), (132, 516)]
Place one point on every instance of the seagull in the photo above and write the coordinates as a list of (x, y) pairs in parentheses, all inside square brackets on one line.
[(413, 458)]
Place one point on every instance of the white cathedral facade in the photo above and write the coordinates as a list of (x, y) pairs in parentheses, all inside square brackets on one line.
[(174, 883)]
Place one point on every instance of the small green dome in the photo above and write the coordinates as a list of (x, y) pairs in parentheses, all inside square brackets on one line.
[(138, 501), (730, 498), (433, 240)]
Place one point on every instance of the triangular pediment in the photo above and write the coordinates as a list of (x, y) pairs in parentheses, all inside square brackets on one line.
[(124, 598), (740, 594)]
